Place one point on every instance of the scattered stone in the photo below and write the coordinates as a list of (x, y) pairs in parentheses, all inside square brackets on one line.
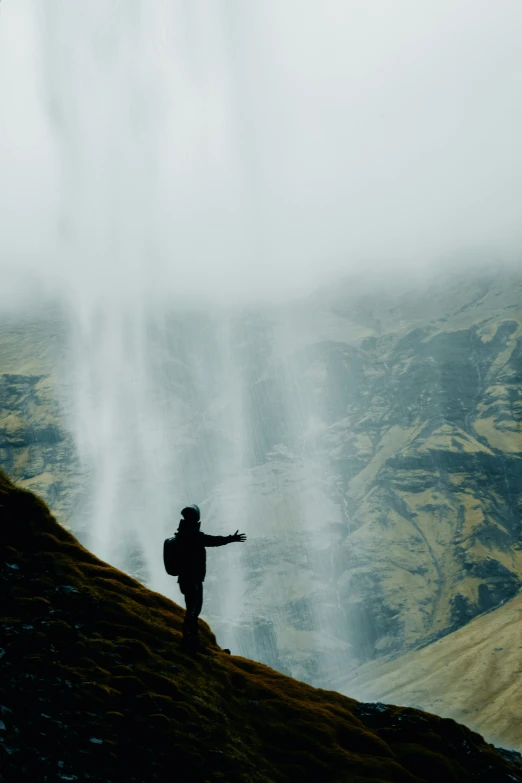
[(13, 566), (375, 715), (66, 589), (370, 708), (96, 740), (58, 722), (2, 725), (2, 652)]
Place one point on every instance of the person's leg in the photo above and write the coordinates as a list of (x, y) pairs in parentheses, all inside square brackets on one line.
[(194, 604), (188, 592), (196, 608), (193, 592)]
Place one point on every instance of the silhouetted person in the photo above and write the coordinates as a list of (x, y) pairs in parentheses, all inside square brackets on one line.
[(192, 568)]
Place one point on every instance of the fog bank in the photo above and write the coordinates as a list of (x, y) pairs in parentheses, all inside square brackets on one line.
[(227, 150)]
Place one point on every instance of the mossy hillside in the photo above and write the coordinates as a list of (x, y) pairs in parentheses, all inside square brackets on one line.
[(94, 686)]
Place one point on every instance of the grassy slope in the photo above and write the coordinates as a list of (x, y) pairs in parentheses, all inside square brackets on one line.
[(473, 675), (94, 686)]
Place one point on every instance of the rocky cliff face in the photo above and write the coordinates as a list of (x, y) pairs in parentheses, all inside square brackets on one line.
[(36, 446), (380, 468), (429, 454)]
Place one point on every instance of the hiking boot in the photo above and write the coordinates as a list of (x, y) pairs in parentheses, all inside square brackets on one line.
[(191, 645)]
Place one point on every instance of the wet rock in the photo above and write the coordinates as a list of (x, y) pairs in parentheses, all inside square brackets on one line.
[(373, 714)]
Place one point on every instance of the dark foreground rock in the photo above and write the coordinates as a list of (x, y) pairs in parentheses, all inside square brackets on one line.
[(95, 687)]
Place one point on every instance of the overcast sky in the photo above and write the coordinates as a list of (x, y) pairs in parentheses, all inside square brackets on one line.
[(229, 147)]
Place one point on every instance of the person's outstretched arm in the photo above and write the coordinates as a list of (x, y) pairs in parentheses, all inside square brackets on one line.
[(222, 540)]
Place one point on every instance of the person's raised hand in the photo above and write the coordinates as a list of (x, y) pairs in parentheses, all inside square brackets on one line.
[(239, 536)]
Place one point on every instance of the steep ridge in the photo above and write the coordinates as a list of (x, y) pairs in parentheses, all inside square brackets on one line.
[(473, 675), (94, 687)]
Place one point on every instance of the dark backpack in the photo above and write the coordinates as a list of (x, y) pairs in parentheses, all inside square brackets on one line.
[(172, 556)]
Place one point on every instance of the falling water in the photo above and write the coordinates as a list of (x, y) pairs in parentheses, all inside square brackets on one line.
[(198, 166), (162, 394)]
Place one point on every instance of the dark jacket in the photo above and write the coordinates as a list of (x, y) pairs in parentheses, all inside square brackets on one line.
[(194, 557)]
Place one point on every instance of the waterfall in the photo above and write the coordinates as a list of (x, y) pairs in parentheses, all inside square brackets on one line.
[(163, 394), (198, 167)]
